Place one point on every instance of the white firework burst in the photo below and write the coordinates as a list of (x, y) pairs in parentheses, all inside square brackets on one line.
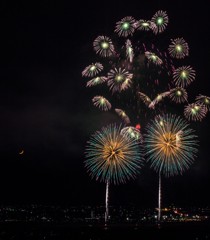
[(123, 115), (178, 137), (127, 83), (129, 50), (96, 81), (178, 95), (103, 46), (158, 99), (205, 100), (143, 25), (92, 70), (152, 57), (195, 111), (178, 48), (183, 76), (160, 19), (132, 132), (125, 26), (102, 103), (117, 78), (144, 98)]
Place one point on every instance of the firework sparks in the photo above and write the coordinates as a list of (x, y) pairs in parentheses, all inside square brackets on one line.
[(183, 76), (126, 26), (102, 103), (92, 70), (170, 147), (178, 95), (103, 46), (110, 157), (195, 111), (178, 48)]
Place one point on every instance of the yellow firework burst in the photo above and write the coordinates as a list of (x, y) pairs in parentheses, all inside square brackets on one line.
[(170, 144)]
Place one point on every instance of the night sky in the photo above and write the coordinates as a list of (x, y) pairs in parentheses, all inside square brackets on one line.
[(46, 109)]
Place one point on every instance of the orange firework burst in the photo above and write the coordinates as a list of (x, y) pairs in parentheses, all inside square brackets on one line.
[(112, 157)]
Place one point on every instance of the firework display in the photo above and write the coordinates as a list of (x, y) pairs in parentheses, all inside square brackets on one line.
[(141, 72), (110, 157), (144, 83), (170, 147)]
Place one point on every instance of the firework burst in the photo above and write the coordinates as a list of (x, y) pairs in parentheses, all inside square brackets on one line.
[(205, 100), (195, 111), (183, 76), (158, 99), (170, 147), (116, 79), (153, 58), (129, 50), (102, 103), (103, 46), (143, 25), (111, 157), (125, 26), (161, 21), (92, 70), (96, 81), (132, 132), (178, 95), (145, 98), (178, 48), (127, 83), (123, 115)]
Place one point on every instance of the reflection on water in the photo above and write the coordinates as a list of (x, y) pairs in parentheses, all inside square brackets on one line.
[(29, 231)]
